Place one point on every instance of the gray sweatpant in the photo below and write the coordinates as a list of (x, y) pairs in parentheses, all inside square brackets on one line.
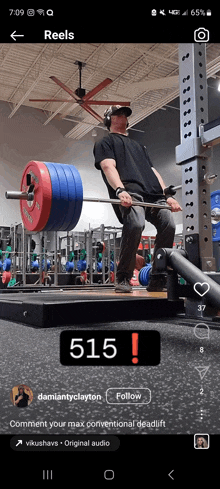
[(133, 225)]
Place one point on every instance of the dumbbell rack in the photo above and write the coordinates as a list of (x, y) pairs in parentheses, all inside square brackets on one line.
[(107, 237), (43, 307), (91, 240)]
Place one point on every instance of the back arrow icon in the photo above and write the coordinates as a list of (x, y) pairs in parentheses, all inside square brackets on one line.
[(171, 475), (14, 35)]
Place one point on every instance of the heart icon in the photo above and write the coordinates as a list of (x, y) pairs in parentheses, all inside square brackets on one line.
[(201, 289)]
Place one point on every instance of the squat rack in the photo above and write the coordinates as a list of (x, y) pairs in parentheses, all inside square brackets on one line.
[(194, 155)]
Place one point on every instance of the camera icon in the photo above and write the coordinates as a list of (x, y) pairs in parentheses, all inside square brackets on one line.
[(201, 35)]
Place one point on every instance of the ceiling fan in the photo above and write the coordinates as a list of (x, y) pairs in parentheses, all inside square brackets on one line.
[(80, 96)]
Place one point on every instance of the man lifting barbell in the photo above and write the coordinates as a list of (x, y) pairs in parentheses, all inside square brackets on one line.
[(129, 175)]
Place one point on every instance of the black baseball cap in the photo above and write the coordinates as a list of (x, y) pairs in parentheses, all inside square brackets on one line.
[(118, 109)]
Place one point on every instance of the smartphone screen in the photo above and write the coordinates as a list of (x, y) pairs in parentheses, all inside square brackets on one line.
[(100, 387)]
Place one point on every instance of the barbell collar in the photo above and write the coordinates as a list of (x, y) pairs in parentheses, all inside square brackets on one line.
[(215, 215), (171, 190)]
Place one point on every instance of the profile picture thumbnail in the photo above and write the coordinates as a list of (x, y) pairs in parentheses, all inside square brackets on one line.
[(201, 441), (21, 396)]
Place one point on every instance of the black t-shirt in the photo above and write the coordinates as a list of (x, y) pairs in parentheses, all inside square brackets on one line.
[(133, 165), (24, 401)]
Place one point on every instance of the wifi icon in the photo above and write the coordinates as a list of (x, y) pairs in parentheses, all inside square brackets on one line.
[(40, 11)]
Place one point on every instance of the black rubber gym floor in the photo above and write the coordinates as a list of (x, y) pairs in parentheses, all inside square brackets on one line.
[(181, 401)]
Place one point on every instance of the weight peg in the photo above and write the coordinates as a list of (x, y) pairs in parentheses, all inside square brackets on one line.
[(46, 279), (51, 197)]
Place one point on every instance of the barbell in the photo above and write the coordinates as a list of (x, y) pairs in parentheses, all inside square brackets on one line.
[(171, 190), (51, 197)]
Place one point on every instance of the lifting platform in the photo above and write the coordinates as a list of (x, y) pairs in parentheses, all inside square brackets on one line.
[(49, 308)]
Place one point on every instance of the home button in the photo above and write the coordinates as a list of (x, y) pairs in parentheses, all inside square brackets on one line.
[(109, 475)]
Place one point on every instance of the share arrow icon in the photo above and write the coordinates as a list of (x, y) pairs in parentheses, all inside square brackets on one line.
[(202, 371), (19, 443)]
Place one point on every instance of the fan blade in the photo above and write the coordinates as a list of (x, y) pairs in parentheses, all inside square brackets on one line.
[(97, 89), (156, 84), (92, 112), (107, 102), (68, 90), (49, 100)]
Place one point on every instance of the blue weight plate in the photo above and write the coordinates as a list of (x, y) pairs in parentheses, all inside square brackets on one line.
[(215, 203), (77, 198), (81, 265), (72, 197), (144, 274), (60, 200), (6, 264), (64, 196), (67, 197), (69, 266)]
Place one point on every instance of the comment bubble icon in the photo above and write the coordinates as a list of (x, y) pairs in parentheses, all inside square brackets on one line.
[(201, 331)]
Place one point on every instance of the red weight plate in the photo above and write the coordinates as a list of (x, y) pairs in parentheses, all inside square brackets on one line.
[(134, 280), (6, 277), (112, 277), (35, 214)]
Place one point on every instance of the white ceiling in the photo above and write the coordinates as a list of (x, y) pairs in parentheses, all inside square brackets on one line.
[(144, 74)]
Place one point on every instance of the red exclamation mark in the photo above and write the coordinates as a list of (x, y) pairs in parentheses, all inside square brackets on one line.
[(135, 347)]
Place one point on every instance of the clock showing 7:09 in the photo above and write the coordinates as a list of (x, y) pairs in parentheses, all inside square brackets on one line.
[(92, 347)]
